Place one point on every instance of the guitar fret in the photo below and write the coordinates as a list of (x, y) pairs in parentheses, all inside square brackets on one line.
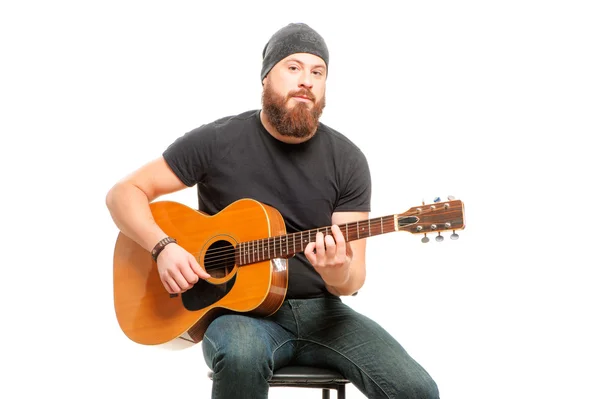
[(357, 230), (381, 220), (369, 227)]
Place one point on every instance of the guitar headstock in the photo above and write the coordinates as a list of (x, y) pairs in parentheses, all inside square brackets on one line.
[(434, 218)]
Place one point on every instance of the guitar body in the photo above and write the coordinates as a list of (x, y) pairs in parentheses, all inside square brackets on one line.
[(149, 315)]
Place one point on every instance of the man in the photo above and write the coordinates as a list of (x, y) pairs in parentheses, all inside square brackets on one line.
[(282, 156)]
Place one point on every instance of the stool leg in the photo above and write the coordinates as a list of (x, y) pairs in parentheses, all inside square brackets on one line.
[(341, 391), (325, 393)]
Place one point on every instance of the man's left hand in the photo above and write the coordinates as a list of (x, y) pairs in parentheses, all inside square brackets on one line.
[(331, 256)]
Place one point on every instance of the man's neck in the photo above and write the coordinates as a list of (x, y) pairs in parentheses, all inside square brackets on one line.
[(286, 139)]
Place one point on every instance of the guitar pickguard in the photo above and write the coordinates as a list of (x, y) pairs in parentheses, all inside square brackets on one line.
[(204, 294)]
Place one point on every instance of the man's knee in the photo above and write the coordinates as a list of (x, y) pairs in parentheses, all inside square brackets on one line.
[(229, 343), (419, 386), (426, 389)]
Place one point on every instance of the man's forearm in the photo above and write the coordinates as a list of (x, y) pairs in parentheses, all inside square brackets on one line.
[(128, 206), (344, 281)]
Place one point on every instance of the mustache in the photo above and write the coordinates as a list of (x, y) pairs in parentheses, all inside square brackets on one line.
[(303, 93)]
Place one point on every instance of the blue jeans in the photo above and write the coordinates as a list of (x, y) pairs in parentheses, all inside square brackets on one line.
[(243, 351)]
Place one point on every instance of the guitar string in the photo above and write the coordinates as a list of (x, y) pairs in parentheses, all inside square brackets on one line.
[(226, 254), (224, 257), (277, 239)]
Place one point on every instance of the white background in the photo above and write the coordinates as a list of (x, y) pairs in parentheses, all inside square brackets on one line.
[(495, 103)]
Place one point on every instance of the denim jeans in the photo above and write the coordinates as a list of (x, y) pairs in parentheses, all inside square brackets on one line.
[(243, 351)]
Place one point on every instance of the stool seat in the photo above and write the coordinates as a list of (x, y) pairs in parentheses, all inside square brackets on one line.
[(308, 377)]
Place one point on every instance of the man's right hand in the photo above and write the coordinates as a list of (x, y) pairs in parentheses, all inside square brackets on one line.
[(178, 269)]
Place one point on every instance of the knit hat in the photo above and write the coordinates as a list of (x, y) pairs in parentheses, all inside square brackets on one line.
[(291, 39)]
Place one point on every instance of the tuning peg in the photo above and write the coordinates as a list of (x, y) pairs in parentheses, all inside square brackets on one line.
[(425, 239), (439, 237), (450, 197), (454, 236), (436, 199)]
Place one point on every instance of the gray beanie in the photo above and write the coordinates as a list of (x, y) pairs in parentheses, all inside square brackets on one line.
[(291, 39)]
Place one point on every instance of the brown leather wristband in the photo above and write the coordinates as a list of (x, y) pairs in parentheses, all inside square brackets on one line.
[(160, 246)]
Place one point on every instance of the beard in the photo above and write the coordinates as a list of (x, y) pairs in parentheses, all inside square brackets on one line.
[(301, 121)]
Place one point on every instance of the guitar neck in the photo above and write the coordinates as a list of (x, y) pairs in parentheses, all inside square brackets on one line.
[(289, 244)]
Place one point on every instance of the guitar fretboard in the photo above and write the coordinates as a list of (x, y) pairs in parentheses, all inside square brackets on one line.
[(286, 245)]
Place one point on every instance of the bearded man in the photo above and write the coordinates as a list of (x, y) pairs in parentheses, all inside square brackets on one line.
[(284, 157)]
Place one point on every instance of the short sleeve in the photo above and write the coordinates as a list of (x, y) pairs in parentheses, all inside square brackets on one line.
[(190, 155), (355, 195)]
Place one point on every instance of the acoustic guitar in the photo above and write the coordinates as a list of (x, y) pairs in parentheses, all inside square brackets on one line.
[(245, 249)]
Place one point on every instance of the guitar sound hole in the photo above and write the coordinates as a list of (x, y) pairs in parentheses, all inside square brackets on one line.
[(219, 259)]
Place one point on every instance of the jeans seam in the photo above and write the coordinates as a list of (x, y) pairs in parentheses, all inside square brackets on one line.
[(351, 361), (273, 356), (211, 342), (296, 321)]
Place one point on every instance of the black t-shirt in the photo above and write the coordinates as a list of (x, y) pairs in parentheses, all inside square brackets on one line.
[(235, 157)]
